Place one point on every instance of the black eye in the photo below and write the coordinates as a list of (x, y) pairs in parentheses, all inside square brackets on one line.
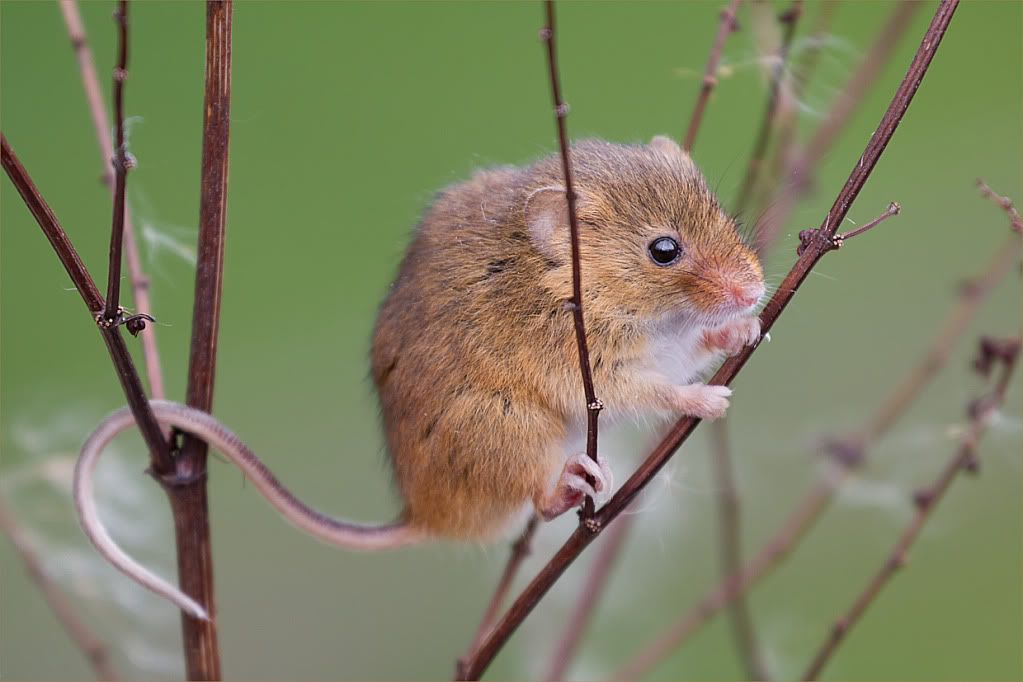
[(665, 250)]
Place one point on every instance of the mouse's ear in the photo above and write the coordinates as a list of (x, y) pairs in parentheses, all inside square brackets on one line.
[(546, 212), (666, 145)]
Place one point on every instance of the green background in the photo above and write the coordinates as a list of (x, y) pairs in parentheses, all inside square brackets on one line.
[(345, 119)]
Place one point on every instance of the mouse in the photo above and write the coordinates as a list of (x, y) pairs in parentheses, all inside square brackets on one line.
[(474, 357)]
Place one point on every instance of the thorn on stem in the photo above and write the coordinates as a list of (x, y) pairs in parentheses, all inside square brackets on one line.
[(922, 498)]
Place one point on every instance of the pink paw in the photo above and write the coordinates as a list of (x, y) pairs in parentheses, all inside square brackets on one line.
[(572, 487), (734, 335), (706, 401)]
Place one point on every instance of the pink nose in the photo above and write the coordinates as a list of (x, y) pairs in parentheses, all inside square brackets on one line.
[(747, 296)]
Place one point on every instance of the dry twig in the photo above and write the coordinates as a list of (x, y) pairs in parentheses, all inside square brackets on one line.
[(730, 532), (980, 412), (805, 162), (162, 462), (191, 507), (710, 79), (1005, 202), (139, 281), (849, 453), (94, 650), (113, 311), (754, 166), (817, 247)]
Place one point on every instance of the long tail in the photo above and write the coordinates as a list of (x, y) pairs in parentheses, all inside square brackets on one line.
[(325, 528)]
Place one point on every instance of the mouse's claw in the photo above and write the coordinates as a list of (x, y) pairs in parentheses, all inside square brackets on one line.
[(573, 487)]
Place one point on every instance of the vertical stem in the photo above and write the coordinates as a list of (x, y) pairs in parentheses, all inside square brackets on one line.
[(101, 126), (767, 123), (593, 405), (120, 166), (729, 514), (195, 561)]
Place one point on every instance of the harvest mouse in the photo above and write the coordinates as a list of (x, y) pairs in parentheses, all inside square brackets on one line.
[(474, 356)]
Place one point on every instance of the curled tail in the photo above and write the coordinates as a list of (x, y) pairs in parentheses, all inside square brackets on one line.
[(320, 526)]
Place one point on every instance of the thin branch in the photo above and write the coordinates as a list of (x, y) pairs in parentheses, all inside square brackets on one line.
[(94, 650), (589, 598), (849, 453), (97, 110), (191, 507), (520, 550), (926, 499), (593, 405), (590, 528), (113, 311), (845, 104), (728, 25), (1005, 203), (754, 167), (788, 115), (162, 462), (729, 513)]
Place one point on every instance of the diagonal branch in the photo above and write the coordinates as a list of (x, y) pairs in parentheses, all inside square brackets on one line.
[(845, 104), (94, 650), (162, 462), (849, 453), (926, 500), (190, 503), (139, 281), (817, 248), (710, 80)]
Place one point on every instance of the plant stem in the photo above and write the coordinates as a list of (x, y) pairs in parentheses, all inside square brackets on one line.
[(710, 79), (94, 650), (587, 531), (101, 126), (926, 500), (195, 560)]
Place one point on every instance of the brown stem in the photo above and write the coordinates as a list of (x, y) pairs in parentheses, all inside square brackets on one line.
[(191, 507), (729, 513), (112, 312), (520, 550), (162, 462), (94, 650), (589, 598), (926, 500), (802, 72), (587, 531), (1005, 203), (767, 122), (593, 405), (710, 79), (849, 452), (845, 104), (101, 126)]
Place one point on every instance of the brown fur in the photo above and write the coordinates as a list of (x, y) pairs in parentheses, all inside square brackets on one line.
[(474, 356)]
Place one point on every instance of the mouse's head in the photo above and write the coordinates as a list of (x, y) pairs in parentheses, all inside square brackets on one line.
[(654, 242)]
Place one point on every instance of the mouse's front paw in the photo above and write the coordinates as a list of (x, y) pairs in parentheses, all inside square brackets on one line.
[(734, 335), (706, 401), (573, 487)]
